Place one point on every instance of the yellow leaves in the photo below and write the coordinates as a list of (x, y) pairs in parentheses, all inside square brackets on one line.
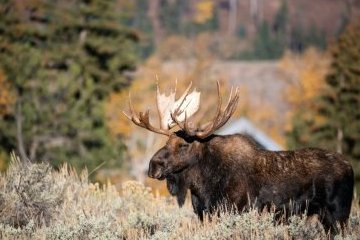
[(3, 161), (261, 115), (119, 102), (306, 75), (113, 113), (204, 11), (305, 80), (7, 97)]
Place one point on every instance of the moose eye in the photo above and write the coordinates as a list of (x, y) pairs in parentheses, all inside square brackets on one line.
[(166, 155), (161, 164)]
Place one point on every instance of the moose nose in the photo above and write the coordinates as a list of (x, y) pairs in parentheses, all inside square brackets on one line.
[(152, 172), (155, 172), (155, 175)]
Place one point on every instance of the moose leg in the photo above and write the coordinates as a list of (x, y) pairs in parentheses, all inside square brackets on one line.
[(339, 198), (198, 206)]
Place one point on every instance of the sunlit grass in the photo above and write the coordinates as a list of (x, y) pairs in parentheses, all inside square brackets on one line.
[(40, 203)]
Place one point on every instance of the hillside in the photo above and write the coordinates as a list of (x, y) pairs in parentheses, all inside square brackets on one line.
[(276, 24), (325, 15)]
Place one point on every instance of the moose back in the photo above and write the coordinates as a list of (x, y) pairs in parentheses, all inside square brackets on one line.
[(233, 170)]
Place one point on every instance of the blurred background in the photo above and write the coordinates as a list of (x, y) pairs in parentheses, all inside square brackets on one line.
[(67, 67)]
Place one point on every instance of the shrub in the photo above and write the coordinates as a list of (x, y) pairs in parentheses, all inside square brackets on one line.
[(38, 202), (29, 194)]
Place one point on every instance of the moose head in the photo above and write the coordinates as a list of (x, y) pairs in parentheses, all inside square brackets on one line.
[(183, 146)]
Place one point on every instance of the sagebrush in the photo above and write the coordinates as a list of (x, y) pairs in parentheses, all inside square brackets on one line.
[(38, 202)]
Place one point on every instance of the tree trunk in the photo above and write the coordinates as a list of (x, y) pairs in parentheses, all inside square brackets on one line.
[(153, 14), (232, 17), (19, 136), (339, 139), (256, 12)]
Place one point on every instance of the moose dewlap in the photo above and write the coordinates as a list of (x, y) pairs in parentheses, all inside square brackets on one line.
[(234, 171)]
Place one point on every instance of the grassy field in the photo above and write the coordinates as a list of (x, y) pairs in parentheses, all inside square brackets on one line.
[(40, 203)]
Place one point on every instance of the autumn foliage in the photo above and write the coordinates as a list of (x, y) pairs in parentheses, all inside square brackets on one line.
[(305, 79), (7, 96)]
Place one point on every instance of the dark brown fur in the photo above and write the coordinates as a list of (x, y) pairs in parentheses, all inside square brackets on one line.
[(234, 170)]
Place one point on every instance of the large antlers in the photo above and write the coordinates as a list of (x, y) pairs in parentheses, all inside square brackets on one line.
[(221, 117), (142, 120), (172, 113), (187, 104)]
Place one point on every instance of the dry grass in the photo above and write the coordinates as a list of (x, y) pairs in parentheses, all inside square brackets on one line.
[(39, 203)]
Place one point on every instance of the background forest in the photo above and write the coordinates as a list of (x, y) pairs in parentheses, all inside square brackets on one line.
[(66, 69)]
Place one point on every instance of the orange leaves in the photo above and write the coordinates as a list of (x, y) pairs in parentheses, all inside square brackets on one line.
[(306, 79), (113, 113), (306, 75), (7, 97), (119, 102), (204, 11)]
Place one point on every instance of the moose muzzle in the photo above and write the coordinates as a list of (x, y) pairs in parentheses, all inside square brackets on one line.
[(156, 172)]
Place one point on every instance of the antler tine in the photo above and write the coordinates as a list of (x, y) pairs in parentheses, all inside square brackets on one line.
[(230, 108), (133, 116), (185, 124), (232, 103), (143, 120), (222, 116), (157, 94), (218, 111), (211, 124), (231, 92), (186, 93)]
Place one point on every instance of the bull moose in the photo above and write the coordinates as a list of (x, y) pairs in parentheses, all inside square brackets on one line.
[(233, 170)]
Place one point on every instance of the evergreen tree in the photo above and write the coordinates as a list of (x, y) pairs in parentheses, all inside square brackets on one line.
[(281, 18), (268, 45), (63, 58), (170, 16), (299, 136), (301, 39), (337, 106), (135, 15), (270, 40)]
